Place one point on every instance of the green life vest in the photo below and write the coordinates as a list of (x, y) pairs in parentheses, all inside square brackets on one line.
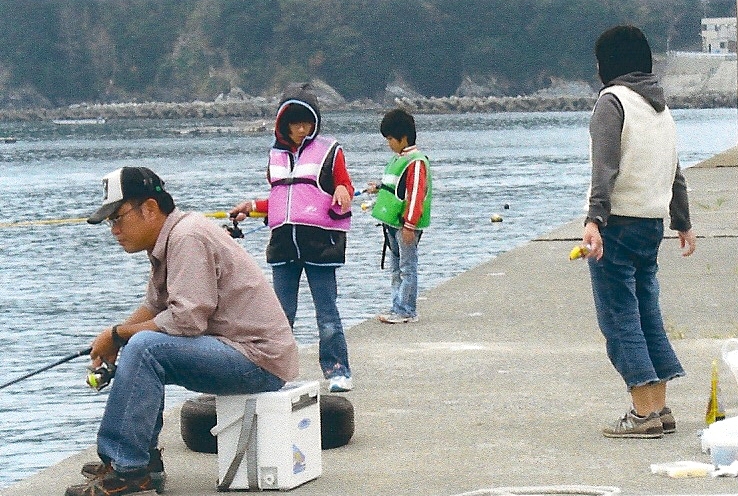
[(389, 207)]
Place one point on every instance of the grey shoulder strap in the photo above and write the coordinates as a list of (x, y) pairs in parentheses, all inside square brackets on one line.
[(246, 439)]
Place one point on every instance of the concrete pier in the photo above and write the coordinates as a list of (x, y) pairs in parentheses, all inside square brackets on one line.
[(504, 382)]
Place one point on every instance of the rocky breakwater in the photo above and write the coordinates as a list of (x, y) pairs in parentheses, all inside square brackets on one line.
[(486, 95), (256, 107), (261, 108), (690, 81), (495, 104)]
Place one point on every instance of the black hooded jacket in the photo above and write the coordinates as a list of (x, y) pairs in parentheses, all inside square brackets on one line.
[(292, 242)]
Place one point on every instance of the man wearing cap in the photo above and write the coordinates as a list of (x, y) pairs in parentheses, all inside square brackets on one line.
[(210, 322)]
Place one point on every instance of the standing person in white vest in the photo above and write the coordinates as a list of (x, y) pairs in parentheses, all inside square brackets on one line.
[(309, 214), (636, 183)]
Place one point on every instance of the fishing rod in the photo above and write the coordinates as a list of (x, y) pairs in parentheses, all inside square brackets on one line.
[(66, 359), (78, 220), (236, 231)]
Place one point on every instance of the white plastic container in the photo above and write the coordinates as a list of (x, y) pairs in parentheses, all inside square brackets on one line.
[(730, 355), (721, 441), (723, 455), (269, 440)]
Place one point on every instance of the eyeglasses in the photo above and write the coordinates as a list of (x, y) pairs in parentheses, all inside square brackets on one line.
[(115, 221)]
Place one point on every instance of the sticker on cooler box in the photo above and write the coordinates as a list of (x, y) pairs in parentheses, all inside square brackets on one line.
[(298, 459), (304, 423)]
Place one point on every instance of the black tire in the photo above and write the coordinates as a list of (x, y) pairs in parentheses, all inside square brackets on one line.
[(336, 421), (196, 419), (198, 416)]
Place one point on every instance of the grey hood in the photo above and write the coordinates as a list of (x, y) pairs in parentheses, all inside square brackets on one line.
[(646, 85)]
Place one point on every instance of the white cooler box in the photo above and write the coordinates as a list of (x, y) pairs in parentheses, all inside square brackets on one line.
[(269, 440)]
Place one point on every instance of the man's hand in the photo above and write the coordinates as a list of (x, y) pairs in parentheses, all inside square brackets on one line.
[(103, 348), (688, 242), (593, 239)]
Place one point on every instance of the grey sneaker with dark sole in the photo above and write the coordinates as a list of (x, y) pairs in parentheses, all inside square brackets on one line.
[(633, 426)]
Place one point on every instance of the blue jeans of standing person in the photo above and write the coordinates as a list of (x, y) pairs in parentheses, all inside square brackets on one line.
[(404, 267), (626, 297), (332, 348), (133, 415)]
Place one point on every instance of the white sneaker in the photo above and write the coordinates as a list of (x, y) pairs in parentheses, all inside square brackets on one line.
[(340, 384), (393, 318)]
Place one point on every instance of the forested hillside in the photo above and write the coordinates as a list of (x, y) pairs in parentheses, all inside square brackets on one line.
[(69, 51)]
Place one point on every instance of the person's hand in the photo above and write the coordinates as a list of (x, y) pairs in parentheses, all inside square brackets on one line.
[(593, 240), (241, 211), (342, 198), (408, 235), (688, 242), (103, 348), (371, 187)]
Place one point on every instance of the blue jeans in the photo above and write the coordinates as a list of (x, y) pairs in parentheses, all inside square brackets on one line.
[(626, 297), (404, 267), (332, 349), (133, 415)]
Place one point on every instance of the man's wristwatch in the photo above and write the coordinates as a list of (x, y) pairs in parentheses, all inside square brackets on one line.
[(117, 340)]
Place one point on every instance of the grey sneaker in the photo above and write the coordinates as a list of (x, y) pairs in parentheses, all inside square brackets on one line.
[(667, 420), (340, 384), (633, 426), (393, 318)]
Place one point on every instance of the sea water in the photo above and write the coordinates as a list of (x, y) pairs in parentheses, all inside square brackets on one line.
[(62, 283)]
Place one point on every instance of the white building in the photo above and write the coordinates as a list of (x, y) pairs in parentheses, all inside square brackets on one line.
[(719, 34)]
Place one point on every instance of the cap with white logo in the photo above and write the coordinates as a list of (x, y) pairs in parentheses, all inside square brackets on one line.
[(125, 184)]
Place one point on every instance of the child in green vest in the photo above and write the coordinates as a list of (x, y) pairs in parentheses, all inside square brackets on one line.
[(403, 206)]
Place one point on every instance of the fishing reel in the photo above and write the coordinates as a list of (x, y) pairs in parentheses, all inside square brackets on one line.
[(99, 377), (234, 230)]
